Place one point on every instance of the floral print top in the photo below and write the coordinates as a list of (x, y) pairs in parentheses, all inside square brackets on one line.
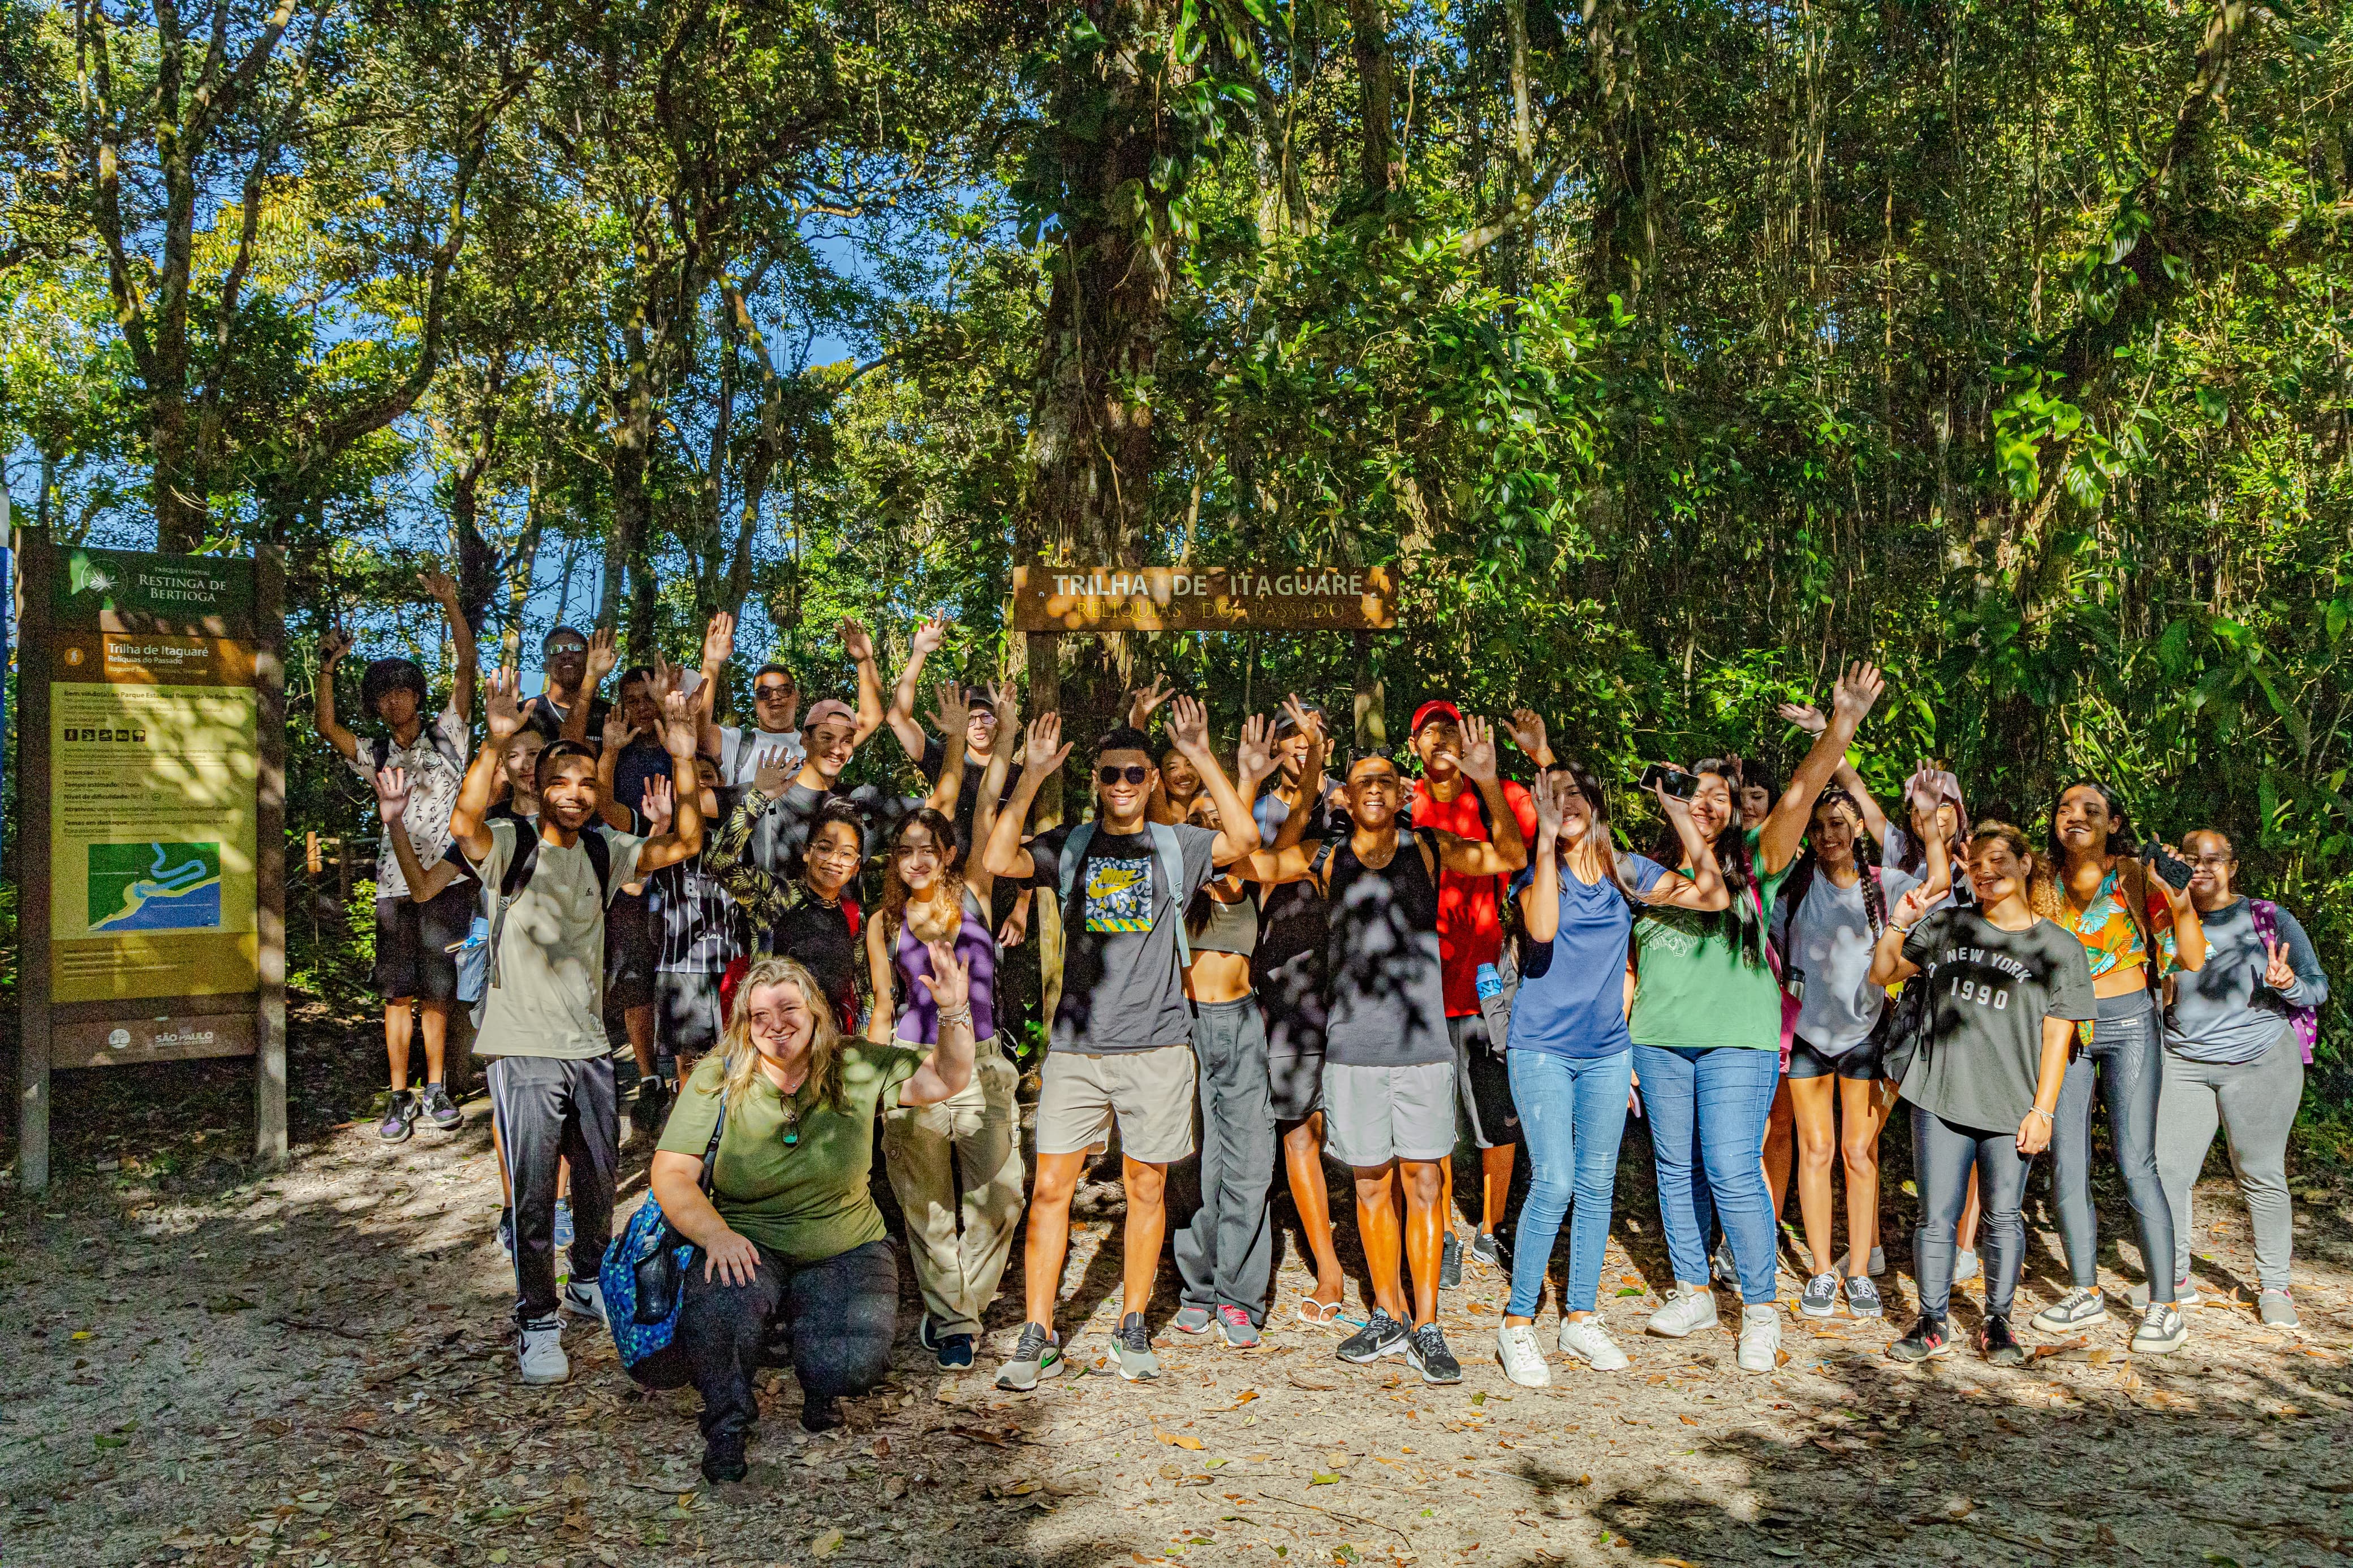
[(2112, 939)]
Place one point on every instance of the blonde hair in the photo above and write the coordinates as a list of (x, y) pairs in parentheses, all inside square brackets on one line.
[(741, 1057)]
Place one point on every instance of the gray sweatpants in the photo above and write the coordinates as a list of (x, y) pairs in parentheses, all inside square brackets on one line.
[(2255, 1103), (548, 1110), (1227, 1253)]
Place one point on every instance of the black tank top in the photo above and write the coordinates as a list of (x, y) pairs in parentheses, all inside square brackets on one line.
[(1387, 993)]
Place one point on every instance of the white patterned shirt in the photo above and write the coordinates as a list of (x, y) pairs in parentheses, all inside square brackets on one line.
[(433, 780)]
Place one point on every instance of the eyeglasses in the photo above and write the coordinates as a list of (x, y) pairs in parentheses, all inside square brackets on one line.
[(2213, 862), (1134, 773)]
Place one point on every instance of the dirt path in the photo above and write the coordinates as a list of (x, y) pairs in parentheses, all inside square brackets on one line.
[(313, 1369)]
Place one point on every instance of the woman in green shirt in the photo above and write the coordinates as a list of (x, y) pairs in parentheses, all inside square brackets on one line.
[(1706, 1023), (790, 1227)]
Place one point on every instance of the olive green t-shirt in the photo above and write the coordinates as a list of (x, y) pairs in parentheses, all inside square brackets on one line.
[(1701, 981), (808, 1200)]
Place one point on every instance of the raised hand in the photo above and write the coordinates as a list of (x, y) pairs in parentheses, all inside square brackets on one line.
[(1478, 749), (718, 641), (441, 586), (665, 675), (500, 714), (604, 653), (1527, 729), (1548, 812), (951, 711), (1004, 698), (1047, 747), (1144, 699), (774, 775), (1255, 755), (681, 725), (2279, 974), (1016, 926), (618, 730), (1911, 908), (929, 636), (1188, 726), (392, 792), (1308, 724), (856, 641), (659, 804), (949, 982), (334, 644), (1805, 716), (1858, 690)]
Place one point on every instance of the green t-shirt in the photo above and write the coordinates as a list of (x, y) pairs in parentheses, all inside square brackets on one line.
[(808, 1201), (1696, 986)]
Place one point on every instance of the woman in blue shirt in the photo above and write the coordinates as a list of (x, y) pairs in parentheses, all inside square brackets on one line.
[(1571, 1059)]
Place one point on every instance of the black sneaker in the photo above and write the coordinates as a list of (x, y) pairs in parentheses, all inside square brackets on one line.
[(722, 1458), (441, 1110), (1928, 1338), (2000, 1345), (954, 1351), (1382, 1335), (1449, 1261), (1492, 1251), (1130, 1349), (820, 1414), (399, 1118), (1426, 1348)]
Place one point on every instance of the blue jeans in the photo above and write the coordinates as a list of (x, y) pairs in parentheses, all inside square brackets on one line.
[(1707, 1110), (1572, 1117)]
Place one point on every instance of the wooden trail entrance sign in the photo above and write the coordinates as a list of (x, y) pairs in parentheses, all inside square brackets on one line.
[(1297, 598), (152, 776)]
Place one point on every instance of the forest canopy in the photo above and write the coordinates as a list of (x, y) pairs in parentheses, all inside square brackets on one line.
[(1671, 350)]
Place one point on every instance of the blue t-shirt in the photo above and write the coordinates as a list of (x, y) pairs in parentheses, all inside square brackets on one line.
[(1572, 995)]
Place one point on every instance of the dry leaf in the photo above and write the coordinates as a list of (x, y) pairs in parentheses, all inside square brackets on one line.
[(1243, 1398), (826, 1545), (1179, 1441)]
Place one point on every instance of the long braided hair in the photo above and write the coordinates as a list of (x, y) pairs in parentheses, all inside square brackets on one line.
[(1733, 860), (1810, 864)]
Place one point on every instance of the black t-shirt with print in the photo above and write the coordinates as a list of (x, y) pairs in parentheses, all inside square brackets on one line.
[(1988, 991)]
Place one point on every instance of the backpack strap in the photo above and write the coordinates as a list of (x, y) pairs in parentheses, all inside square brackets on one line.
[(1074, 857), (517, 876), (1170, 852), (379, 752), (1319, 859)]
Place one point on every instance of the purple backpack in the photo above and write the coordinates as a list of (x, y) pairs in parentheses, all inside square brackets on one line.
[(2304, 1021)]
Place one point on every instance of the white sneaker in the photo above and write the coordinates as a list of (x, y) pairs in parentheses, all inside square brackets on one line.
[(1587, 1338), (1523, 1362), (584, 1299), (1964, 1266), (1760, 1337), (1689, 1307), (2162, 1332), (541, 1354), (1878, 1262), (2078, 1308)]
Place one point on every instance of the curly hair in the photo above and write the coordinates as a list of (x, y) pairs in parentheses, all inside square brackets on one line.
[(951, 879), (389, 675)]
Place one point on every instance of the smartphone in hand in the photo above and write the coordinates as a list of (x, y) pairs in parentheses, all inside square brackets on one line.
[(1674, 781), (2172, 868)]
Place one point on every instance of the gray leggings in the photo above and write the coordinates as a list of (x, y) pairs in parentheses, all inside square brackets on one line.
[(1942, 1154), (2124, 1061), (2255, 1102)]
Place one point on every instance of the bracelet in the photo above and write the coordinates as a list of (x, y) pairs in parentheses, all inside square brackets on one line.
[(2038, 1111), (960, 1016)]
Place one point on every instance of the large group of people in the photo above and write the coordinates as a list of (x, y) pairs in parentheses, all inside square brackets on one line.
[(1278, 956)]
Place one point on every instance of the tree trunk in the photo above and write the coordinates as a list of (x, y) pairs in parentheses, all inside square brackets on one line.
[(1368, 29)]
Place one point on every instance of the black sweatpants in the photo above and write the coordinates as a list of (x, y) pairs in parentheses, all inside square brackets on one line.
[(549, 1109), (842, 1314)]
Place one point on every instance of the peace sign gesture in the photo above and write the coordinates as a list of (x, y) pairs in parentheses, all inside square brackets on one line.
[(2279, 974)]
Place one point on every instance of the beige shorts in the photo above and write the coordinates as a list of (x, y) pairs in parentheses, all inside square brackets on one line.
[(1149, 1094)]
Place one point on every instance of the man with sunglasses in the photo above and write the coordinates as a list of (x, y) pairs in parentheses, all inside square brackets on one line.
[(1121, 1049), (573, 664)]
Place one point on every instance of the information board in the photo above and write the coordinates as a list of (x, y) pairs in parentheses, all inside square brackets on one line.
[(1302, 597), (154, 764)]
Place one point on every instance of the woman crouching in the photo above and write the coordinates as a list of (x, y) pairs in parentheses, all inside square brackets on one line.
[(789, 1229)]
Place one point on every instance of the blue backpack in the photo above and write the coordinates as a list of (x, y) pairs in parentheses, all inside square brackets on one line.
[(643, 1278)]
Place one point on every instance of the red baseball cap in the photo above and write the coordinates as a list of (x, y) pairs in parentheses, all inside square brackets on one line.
[(1437, 707)]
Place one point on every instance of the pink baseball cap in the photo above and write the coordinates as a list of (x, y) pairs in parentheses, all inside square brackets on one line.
[(831, 708)]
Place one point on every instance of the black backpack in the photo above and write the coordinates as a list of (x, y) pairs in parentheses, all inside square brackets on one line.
[(380, 749)]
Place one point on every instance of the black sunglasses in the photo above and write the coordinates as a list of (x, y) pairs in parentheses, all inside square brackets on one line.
[(1135, 773), (772, 690)]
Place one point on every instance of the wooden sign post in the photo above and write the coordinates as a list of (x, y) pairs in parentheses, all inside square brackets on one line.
[(152, 772)]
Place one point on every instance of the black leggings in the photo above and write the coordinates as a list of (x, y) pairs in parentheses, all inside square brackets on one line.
[(1943, 1153), (843, 1313)]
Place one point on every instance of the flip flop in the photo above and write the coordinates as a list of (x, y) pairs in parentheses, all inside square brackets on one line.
[(1319, 1313)]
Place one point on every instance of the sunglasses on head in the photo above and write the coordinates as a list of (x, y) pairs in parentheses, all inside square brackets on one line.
[(1134, 773)]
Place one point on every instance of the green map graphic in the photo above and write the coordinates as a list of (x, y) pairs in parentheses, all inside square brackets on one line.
[(154, 886)]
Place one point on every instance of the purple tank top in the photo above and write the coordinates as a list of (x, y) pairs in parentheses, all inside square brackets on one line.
[(977, 949)]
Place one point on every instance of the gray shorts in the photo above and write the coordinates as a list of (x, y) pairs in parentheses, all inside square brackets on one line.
[(1296, 1081), (1375, 1114), (1150, 1094)]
